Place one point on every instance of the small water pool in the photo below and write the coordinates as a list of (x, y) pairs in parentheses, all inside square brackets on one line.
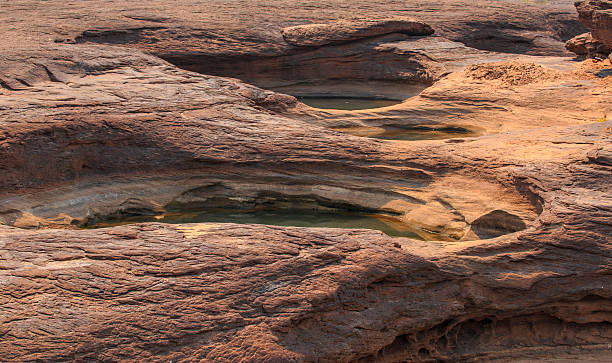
[(424, 133), (347, 103), (411, 133)]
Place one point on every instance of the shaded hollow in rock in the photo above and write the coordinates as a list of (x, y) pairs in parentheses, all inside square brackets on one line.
[(472, 338), (361, 68), (497, 223), (217, 203)]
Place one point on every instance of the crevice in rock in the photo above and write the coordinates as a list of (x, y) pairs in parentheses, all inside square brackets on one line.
[(118, 36), (476, 338), (5, 85), (529, 190), (497, 223), (412, 133)]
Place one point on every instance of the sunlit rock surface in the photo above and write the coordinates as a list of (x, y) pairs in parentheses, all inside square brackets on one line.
[(98, 119)]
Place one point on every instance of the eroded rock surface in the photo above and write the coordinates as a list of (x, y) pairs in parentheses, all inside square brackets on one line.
[(229, 292), (584, 44), (343, 31), (222, 28), (597, 16), (521, 265)]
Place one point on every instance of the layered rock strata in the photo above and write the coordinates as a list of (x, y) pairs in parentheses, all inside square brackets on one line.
[(585, 45), (597, 16), (95, 128)]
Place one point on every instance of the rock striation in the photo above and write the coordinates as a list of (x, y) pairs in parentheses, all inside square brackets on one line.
[(597, 16), (346, 30), (98, 118), (585, 45)]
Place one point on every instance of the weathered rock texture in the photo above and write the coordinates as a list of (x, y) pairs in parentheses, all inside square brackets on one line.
[(90, 124), (584, 44), (346, 30), (229, 28), (597, 16), (217, 292)]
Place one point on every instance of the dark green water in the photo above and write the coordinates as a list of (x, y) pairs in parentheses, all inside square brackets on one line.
[(288, 217), (345, 103)]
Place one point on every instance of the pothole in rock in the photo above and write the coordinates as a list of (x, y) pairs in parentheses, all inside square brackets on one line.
[(346, 103), (267, 209), (396, 213), (355, 76), (372, 96), (412, 133), (290, 217), (352, 95)]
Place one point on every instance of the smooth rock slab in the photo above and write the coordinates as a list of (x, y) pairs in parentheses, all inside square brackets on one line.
[(346, 30)]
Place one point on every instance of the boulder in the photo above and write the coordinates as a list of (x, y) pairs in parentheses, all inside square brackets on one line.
[(597, 16), (585, 45)]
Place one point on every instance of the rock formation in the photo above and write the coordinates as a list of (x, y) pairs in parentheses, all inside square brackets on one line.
[(597, 16), (105, 117), (585, 45), (311, 35)]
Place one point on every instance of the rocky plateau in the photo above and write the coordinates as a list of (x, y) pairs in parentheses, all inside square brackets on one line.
[(494, 162)]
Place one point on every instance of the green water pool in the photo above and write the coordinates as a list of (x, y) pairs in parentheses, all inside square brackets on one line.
[(288, 217), (346, 103)]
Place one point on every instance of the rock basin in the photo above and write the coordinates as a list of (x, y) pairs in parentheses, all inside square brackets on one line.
[(346, 103)]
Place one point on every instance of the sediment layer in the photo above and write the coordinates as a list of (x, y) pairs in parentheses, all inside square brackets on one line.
[(99, 117)]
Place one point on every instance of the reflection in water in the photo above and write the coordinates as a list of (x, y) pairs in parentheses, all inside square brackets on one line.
[(346, 103), (282, 217)]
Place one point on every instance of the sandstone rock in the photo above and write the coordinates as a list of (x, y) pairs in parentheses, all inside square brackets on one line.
[(100, 127), (364, 60), (597, 16), (348, 30), (579, 44), (231, 292), (584, 44), (217, 292), (225, 29), (503, 106)]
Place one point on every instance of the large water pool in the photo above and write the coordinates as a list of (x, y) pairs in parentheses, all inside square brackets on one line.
[(286, 217)]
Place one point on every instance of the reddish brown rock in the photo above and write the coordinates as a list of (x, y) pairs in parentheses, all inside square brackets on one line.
[(346, 30), (222, 28), (597, 16), (521, 268), (232, 292), (584, 44)]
